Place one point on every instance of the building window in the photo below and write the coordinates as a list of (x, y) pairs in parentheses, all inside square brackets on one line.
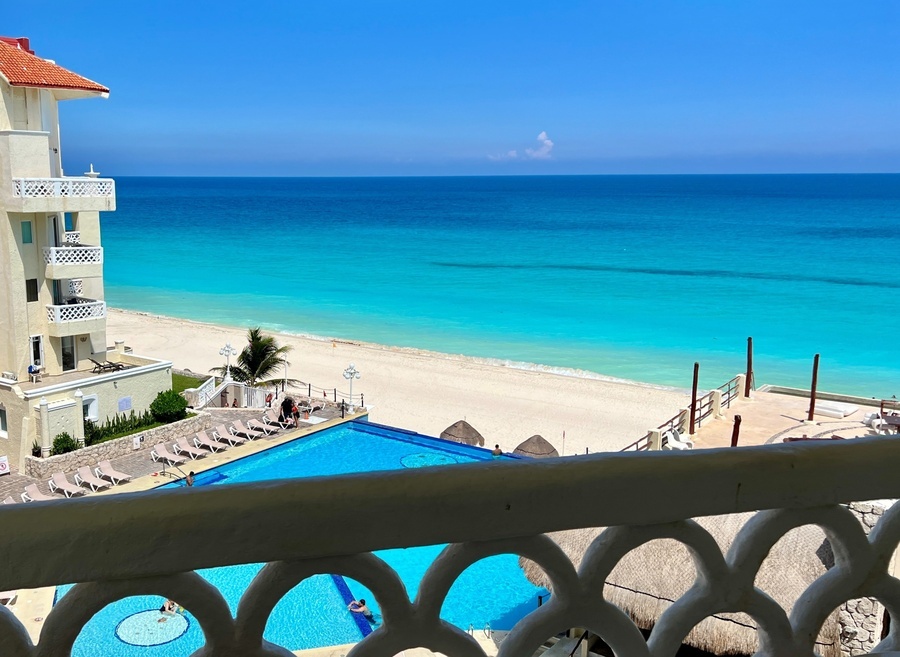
[(3, 432), (37, 350), (27, 236), (69, 362), (90, 407), (31, 289)]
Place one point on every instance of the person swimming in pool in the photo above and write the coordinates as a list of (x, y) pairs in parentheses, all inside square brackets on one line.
[(169, 608), (359, 607)]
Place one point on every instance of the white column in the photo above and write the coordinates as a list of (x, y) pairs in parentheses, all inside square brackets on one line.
[(655, 440), (46, 442), (717, 404), (79, 417)]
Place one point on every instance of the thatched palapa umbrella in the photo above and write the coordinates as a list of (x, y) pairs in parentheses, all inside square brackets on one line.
[(463, 432), (648, 579), (536, 447)]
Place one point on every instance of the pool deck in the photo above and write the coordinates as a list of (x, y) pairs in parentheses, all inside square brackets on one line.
[(489, 645), (32, 606)]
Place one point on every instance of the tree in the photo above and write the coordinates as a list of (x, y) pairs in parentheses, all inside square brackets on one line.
[(259, 359)]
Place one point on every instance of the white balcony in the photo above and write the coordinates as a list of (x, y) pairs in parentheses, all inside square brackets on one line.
[(152, 543), (73, 261), (70, 194), (78, 317)]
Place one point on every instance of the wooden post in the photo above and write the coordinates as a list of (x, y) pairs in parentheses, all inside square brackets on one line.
[(749, 382), (694, 396), (812, 389), (736, 431)]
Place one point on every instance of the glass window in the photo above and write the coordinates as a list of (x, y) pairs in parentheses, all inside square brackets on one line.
[(68, 353), (27, 237), (90, 408), (37, 350), (3, 433), (31, 289)]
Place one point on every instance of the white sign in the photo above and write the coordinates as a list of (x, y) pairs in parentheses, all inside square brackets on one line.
[(4, 465), (136, 442)]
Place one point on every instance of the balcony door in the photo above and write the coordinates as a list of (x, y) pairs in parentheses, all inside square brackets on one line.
[(53, 228), (56, 287), (69, 361), (37, 350)]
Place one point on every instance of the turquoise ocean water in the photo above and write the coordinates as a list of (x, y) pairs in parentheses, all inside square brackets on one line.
[(626, 276)]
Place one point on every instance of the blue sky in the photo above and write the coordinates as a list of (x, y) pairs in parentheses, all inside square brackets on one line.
[(450, 88)]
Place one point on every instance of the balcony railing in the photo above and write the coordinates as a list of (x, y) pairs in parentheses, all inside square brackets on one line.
[(73, 255), (80, 309), (64, 187), (150, 543), (73, 237)]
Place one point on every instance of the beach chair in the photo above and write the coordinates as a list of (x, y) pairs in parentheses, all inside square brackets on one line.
[(182, 446), (59, 483), (8, 598), (33, 494), (107, 366), (256, 425), (221, 432), (271, 418), (675, 442), (162, 453), (104, 470), (84, 477), (237, 428), (213, 445), (8, 500)]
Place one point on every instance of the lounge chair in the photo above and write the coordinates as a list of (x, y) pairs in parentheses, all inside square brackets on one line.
[(107, 366), (182, 446), (162, 453), (256, 425), (32, 494), (213, 445), (675, 441), (59, 483), (105, 470), (222, 433), (8, 598), (8, 500), (84, 477), (271, 418), (237, 428)]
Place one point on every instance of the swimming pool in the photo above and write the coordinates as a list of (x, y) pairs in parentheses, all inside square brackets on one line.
[(314, 613)]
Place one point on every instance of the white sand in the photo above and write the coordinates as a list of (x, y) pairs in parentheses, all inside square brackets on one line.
[(427, 391)]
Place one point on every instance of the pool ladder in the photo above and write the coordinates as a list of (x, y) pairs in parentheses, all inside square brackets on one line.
[(488, 632)]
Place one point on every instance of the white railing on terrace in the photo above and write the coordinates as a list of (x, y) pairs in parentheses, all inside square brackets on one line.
[(74, 187), (74, 312), (72, 237), (73, 255), (151, 543)]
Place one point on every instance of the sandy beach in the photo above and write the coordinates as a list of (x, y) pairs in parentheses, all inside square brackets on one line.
[(427, 391)]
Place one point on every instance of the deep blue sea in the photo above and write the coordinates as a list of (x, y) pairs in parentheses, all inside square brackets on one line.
[(627, 276)]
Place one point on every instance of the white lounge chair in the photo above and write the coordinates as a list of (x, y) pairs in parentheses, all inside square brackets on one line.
[(675, 441), (59, 483), (182, 446), (271, 418), (8, 500), (222, 433), (237, 428), (213, 445), (8, 598), (84, 477), (162, 453), (256, 425), (105, 470), (33, 494)]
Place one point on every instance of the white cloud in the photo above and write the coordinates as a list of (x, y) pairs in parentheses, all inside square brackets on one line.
[(542, 152)]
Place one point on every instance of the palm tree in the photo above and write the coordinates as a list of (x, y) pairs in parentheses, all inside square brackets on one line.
[(258, 360)]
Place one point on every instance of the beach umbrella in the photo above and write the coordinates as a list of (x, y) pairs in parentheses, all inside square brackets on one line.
[(536, 447), (463, 432)]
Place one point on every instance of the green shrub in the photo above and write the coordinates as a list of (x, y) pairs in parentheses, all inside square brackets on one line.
[(93, 434), (169, 406), (35, 448), (63, 443)]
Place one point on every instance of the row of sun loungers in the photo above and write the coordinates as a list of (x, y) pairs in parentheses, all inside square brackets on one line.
[(103, 476)]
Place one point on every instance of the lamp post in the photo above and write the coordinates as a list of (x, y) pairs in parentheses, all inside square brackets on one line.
[(351, 373), (228, 351)]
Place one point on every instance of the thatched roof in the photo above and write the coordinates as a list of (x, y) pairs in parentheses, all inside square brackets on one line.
[(648, 579), (463, 432), (536, 447)]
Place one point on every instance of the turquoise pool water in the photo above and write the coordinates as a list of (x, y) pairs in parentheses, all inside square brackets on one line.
[(314, 613)]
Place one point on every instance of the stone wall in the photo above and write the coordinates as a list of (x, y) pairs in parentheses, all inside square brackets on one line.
[(44, 468), (862, 619)]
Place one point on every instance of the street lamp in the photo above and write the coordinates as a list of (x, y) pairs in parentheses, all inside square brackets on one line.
[(228, 351), (351, 373)]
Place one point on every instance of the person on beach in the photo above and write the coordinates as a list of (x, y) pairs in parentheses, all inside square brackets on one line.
[(496, 452), (359, 607), (189, 480), (286, 405), (295, 413)]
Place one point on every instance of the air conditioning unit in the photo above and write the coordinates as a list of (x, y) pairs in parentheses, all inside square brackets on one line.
[(9, 376)]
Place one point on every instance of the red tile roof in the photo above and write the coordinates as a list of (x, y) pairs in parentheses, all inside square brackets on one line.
[(23, 69)]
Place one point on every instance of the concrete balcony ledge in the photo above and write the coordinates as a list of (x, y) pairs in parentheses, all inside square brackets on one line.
[(73, 261), (149, 543), (85, 316), (69, 194)]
